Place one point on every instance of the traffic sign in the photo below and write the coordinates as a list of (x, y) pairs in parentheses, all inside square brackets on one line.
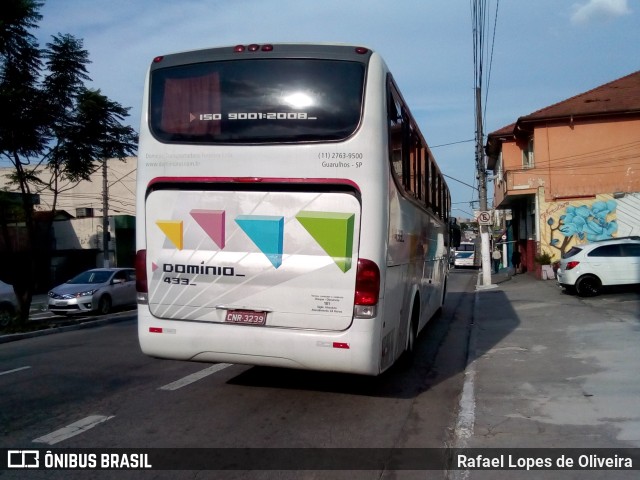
[(484, 218)]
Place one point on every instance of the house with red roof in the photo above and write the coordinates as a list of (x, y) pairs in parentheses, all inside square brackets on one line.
[(570, 172)]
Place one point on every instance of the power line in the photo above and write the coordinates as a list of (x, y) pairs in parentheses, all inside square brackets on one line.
[(460, 181), (451, 143)]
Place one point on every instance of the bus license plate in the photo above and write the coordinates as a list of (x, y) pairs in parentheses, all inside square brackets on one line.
[(247, 317)]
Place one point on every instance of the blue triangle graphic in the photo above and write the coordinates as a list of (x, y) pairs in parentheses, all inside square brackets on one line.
[(267, 233)]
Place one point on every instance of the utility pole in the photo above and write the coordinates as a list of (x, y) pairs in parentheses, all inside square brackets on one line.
[(478, 13), (481, 170), (105, 215)]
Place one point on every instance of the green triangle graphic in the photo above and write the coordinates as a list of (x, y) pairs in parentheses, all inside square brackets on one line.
[(333, 232)]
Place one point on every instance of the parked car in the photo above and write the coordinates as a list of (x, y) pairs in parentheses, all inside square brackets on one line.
[(8, 303), (589, 267), (96, 290)]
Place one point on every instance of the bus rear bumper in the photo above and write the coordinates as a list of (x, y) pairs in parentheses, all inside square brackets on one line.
[(355, 350)]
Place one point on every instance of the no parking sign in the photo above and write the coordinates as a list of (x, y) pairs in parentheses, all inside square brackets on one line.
[(484, 218)]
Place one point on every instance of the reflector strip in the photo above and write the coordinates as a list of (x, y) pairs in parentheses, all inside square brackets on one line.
[(162, 330), (340, 345)]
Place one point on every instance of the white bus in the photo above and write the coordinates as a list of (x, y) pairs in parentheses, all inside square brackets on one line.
[(465, 255), (289, 211)]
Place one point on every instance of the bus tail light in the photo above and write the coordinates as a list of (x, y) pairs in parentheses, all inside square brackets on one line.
[(367, 289), (142, 288)]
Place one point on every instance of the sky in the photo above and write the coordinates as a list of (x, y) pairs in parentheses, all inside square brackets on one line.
[(541, 52)]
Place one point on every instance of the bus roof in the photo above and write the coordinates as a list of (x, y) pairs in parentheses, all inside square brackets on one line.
[(275, 50)]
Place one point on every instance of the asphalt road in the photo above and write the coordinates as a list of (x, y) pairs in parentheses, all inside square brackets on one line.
[(93, 388)]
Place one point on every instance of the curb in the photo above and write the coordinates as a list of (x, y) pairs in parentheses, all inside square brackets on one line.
[(12, 337)]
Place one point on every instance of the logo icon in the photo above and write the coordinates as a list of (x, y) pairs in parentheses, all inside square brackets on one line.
[(212, 222), (332, 231), (23, 459), (173, 230), (267, 233)]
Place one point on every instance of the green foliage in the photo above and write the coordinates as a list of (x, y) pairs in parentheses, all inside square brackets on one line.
[(543, 258), (53, 129)]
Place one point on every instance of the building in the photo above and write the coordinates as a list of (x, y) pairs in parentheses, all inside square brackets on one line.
[(570, 172), (75, 242)]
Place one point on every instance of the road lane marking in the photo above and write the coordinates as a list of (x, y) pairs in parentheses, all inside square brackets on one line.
[(465, 422), (74, 429), (14, 370), (194, 377)]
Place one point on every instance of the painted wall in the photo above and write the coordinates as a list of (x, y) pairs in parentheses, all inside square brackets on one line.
[(572, 160), (566, 223), (588, 158), (586, 177)]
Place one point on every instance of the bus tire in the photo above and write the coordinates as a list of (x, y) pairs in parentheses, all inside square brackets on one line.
[(409, 354), (442, 299)]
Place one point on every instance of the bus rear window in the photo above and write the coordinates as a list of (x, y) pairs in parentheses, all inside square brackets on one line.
[(257, 101)]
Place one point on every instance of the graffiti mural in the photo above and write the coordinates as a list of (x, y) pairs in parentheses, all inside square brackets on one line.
[(565, 224), (583, 222)]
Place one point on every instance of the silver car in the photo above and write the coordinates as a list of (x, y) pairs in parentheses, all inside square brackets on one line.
[(8, 303), (97, 290)]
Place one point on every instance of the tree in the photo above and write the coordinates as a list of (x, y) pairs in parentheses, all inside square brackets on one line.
[(53, 129)]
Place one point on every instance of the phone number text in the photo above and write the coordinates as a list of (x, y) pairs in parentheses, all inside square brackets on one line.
[(339, 156)]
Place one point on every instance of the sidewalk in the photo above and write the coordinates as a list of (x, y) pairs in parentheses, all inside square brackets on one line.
[(548, 369)]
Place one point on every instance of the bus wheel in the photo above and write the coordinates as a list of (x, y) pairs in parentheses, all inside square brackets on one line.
[(409, 354), (442, 300)]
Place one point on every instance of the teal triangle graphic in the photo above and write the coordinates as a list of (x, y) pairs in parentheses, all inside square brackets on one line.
[(267, 233)]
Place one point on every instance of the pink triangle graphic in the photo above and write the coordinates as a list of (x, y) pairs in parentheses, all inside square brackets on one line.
[(212, 222), (154, 267)]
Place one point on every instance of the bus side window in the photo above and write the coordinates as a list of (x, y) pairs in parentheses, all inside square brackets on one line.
[(405, 151), (424, 175), (441, 197), (427, 180), (402, 138), (416, 165), (395, 134), (434, 188)]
